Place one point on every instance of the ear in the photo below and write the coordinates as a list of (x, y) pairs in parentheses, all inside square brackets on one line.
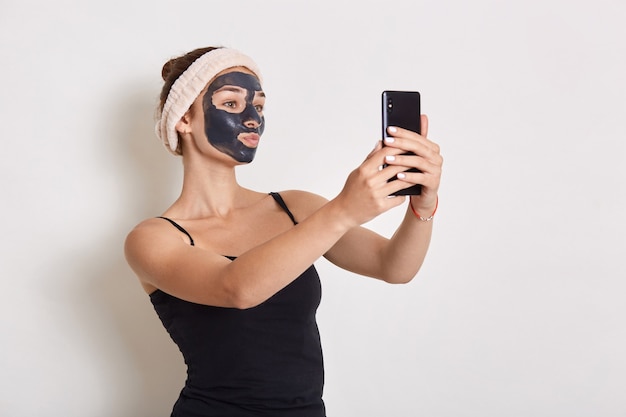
[(184, 124)]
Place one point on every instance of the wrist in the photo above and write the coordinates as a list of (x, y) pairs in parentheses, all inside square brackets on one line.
[(423, 216), (339, 216)]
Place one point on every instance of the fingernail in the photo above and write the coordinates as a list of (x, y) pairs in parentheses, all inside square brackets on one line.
[(401, 175), (392, 129), (389, 139), (390, 158)]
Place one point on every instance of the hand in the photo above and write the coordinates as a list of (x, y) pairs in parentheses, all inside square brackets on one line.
[(367, 191), (427, 159)]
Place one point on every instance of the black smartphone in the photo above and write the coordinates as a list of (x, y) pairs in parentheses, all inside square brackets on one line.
[(402, 109)]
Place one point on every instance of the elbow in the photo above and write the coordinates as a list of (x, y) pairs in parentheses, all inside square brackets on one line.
[(237, 295), (244, 300), (400, 274), (241, 302), (399, 278), (244, 305), (241, 294)]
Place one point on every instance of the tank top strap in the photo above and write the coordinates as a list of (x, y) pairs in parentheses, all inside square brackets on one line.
[(283, 205), (179, 227)]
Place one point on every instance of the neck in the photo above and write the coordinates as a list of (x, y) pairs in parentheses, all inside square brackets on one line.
[(210, 188)]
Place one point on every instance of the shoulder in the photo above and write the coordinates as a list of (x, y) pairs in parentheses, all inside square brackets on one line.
[(302, 203), (148, 227), (153, 248), (140, 241)]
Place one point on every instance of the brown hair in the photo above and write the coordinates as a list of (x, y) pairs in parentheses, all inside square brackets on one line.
[(175, 67), (172, 70)]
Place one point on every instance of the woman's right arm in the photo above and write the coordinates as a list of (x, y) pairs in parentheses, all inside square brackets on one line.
[(162, 259)]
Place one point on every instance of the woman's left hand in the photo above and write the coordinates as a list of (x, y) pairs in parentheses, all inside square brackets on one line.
[(427, 159)]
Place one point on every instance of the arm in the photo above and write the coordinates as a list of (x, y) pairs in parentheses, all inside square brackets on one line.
[(162, 259), (398, 259)]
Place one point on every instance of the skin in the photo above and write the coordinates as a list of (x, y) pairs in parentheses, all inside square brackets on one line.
[(227, 219), (229, 107)]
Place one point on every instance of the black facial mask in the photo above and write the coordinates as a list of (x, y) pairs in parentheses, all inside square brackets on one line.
[(223, 128)]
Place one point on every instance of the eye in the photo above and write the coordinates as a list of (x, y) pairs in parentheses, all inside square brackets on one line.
[(231, 104), (259, 108)]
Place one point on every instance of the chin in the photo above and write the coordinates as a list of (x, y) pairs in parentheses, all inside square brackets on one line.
[(244, 159)]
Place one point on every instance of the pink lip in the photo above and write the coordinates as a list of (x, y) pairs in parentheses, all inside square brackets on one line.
[(251, 140)]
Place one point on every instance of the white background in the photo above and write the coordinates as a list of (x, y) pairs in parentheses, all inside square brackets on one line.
[(520, 307)]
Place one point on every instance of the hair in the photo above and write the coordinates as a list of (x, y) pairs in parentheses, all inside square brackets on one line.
[(173, 69)]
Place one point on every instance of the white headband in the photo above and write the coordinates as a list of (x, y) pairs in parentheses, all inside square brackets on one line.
[(188, 86)]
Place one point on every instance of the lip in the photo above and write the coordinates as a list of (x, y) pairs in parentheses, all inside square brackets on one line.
[(251, 140)]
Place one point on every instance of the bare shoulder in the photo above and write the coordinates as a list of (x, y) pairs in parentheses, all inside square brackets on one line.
[(151, 237), (150, 229), (162, 257), (150, 243), (302, 203)]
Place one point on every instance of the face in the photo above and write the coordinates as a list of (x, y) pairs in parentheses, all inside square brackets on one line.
[(233, 114)]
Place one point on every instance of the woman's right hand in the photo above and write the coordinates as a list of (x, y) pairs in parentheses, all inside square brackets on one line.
[(367, 191)]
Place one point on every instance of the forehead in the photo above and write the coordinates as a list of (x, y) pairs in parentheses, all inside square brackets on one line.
[(238, 76), (245, 70)]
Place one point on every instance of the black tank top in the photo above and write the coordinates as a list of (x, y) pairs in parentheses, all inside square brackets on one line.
[(262, 361)]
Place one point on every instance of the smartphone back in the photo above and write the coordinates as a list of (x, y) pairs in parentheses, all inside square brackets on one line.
[(402, 109)]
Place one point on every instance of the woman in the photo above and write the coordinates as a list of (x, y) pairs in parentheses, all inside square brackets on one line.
[(230, 270)]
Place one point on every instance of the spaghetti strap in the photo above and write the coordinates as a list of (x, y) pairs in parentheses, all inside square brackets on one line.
[(282, 204), (276, 197), (179, 227)]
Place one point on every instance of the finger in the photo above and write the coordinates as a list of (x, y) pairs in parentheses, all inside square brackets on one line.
[(376, 159), (424, 125), (393, 130), (395, 200), (412, 142), (393, 187), (390, 172), (422, 178), (429, 181), (403, 167), (432, 165)]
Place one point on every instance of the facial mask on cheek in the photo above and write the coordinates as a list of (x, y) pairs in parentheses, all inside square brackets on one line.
[(223, 128)]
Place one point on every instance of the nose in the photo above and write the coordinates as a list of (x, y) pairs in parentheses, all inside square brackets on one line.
[(251, 118), (251, 124)]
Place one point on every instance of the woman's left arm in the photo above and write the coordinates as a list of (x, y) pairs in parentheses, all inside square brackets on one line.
[(399, 258)]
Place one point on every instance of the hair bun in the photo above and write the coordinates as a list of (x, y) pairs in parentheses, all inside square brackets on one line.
[(167, 68)]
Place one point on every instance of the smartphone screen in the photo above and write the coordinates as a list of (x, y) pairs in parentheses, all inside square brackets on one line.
[(402, 109)]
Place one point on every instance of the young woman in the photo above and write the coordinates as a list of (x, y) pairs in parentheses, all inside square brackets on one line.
[(230, 270)]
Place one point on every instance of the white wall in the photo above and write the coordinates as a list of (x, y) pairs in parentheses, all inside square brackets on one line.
[(519, 309)]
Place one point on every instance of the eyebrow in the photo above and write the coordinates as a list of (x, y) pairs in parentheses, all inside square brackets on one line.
[(235, 89), (231, 89)]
